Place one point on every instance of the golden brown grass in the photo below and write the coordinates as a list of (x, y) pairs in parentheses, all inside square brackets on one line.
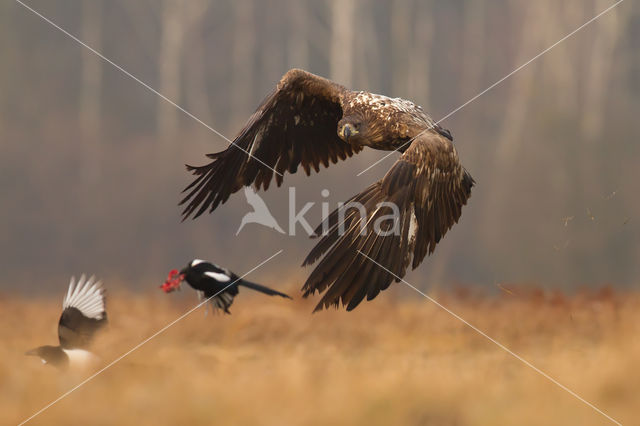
[(388, 362)]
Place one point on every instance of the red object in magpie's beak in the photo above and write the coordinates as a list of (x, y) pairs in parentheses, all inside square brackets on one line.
[(172, 282)]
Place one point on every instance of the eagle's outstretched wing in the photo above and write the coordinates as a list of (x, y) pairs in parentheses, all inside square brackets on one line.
[(295, 125), (428, 185), (84, 313)]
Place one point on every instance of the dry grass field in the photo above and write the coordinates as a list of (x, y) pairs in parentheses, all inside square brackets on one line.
[(391, 361)]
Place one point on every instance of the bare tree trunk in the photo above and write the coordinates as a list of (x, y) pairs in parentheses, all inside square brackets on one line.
[(242, 62), (517, 103), (273, 57), (598, 78), (420, 50), (560, 69), (599, 72), (10, 60), (401, 25), (169, 65), (298, 42), (91, 90), (196, 82), (143, 23), (342, 40), (516, 109), (319, 31), (473, 59), (365, 69)]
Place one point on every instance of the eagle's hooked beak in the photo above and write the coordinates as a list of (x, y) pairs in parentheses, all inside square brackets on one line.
[(348, 130)]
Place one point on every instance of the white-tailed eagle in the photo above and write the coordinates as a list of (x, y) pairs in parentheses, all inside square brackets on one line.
[(309, 120)]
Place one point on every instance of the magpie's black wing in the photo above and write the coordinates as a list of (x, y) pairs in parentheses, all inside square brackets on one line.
[(220, 299), (216, 283), (83, 313), (225, 299)]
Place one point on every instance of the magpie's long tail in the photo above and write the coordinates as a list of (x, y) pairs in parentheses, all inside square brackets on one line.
[(263, 289)]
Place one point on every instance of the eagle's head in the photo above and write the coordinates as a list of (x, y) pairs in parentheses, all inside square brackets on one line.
[(362, 129), (353, 130)]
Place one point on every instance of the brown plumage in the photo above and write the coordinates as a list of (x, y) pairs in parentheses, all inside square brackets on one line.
[(309, 120)]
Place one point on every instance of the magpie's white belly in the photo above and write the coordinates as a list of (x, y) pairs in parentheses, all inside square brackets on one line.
[(80, 358)]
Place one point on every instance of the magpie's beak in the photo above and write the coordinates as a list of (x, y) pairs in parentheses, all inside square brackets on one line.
[(32, 352)]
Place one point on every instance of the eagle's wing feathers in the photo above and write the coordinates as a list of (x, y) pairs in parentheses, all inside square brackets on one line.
[(441, 186), (424, 190), (295, 125)]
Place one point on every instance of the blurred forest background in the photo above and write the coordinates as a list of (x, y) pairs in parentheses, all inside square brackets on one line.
[(92, 163)]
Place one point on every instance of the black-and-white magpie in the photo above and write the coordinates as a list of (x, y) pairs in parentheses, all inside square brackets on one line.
[(84, 313), (211, 280)]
